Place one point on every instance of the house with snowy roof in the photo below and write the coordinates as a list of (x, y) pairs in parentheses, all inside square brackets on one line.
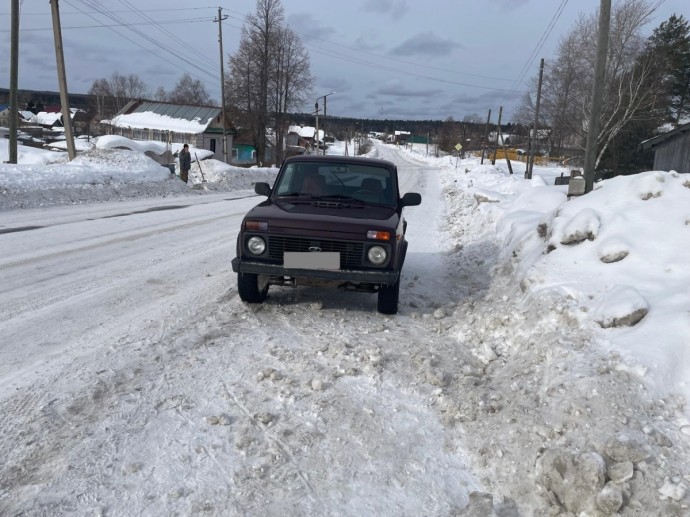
[(199, 126), (302, 137)]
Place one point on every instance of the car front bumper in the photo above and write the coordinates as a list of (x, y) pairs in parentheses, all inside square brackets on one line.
[(387, 277)]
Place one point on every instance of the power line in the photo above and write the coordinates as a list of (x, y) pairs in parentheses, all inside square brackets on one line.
[(105, 12), (101, 25), (118, 12), (342, 57), (200, 55), (336, 55), (540, 43)]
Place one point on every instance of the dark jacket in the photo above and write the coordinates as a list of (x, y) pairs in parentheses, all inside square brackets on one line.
[(185, 160)]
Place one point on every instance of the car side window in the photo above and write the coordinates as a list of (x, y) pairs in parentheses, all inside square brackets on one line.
[(286, 181)]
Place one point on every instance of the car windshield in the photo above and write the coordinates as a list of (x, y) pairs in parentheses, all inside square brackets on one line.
[(360, 182)]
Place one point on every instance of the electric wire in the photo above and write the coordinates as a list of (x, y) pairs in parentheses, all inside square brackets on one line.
[(307, 37), (105, 12), (540, 44), (203, 57)]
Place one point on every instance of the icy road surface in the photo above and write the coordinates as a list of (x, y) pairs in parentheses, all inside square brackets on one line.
[(133, 381)]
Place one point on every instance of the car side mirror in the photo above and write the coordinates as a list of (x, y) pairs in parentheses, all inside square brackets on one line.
[(411, 199), (263, 189)]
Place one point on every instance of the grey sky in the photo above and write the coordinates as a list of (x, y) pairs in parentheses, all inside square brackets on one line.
[(383, 58)]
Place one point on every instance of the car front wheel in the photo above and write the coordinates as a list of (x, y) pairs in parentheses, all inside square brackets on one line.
[(249, 288), (388, 298)]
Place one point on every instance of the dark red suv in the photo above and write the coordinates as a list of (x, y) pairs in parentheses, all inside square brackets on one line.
[(328, 220)]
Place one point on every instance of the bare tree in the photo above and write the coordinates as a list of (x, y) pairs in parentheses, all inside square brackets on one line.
[(125, 88), (114, 93), (290, 83), (101, 94), (189, 91), (628, 94), (268, 75), (473, 118), (161, 95)]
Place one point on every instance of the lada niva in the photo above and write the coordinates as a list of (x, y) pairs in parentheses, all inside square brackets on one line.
[(328, 220)]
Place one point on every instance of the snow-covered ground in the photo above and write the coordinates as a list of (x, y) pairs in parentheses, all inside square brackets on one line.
[(539, 364)]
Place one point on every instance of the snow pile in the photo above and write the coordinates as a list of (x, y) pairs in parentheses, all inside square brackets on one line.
[(570, 372), (143, 146), (111, 172), (80, 144), (612, 256)]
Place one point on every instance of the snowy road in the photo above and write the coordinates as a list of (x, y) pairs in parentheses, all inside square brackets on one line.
[(134, 382)]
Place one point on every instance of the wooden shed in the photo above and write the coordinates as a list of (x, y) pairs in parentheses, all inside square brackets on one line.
[(671, 150)]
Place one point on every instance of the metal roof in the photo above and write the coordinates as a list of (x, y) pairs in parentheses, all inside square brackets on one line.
[(202, 114)]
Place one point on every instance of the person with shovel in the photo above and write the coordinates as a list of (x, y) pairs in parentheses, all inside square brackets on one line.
[(185, 163)]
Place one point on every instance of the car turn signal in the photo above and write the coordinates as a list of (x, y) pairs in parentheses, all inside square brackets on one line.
[(257, 226), (379, 236)]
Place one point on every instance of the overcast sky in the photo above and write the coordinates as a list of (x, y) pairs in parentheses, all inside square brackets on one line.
[(392, 59)]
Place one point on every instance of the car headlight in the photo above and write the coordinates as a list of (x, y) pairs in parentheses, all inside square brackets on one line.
[(256, 245), (377, 255)]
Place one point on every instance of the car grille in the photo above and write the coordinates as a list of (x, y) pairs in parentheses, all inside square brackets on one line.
[(351, 253)]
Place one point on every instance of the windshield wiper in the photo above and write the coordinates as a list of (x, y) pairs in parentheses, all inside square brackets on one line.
[(338, 196), (299, 194)]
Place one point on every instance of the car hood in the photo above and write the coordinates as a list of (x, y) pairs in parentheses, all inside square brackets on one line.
[(324, 216)]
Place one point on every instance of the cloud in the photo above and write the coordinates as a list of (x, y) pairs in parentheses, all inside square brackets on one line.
[(397, 88), (425, 44), (395, 8), (367, 43), (308, 27), (507, 4)]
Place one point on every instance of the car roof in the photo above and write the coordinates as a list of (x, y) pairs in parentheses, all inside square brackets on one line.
[(331, 158)]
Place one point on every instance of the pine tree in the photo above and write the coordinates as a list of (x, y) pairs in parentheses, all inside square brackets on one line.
[(670, 44)]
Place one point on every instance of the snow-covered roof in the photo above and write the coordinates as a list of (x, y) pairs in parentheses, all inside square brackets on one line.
[(303, 131), (652, 142), (163, 116), (306, 131), (45, 119)]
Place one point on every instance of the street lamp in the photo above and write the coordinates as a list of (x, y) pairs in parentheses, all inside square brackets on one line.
[(324, 97)]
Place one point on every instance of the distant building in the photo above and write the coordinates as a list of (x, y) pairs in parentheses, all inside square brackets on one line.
[(302, 137), (401, 137), (200, 126)]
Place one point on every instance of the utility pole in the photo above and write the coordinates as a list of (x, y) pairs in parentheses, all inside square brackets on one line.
[(316, 134), (597, 93), (323, 123), (535, 139), (486, 136), (498, 133), (62, 80), (14, 80), (222, 83)]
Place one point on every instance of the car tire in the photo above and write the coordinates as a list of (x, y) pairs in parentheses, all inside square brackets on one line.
[(388, 298), (248, 288)]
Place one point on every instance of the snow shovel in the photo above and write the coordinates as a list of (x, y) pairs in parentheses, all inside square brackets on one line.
[(203, 178)]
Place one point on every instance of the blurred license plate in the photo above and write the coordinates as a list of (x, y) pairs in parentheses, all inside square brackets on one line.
[(311, 260)]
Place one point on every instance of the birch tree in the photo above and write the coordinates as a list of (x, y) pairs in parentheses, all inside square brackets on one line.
[(629, 92)]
